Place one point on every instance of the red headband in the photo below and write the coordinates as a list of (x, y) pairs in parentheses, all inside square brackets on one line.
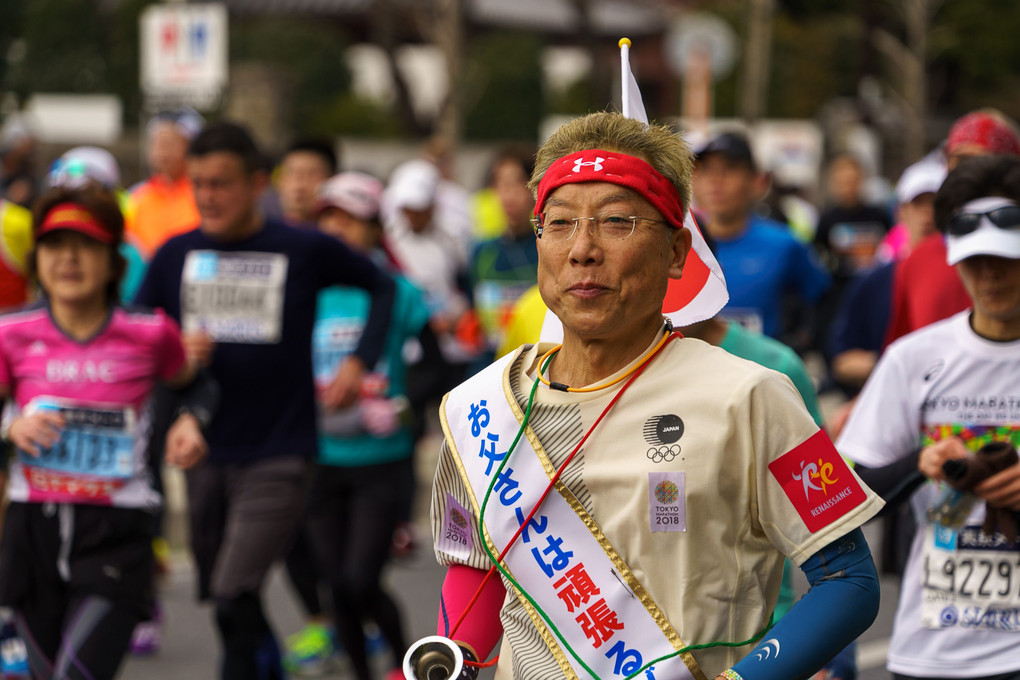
[(595, 165), (76, 218)]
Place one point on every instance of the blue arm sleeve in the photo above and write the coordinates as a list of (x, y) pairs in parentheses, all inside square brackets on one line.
[(840, 605)]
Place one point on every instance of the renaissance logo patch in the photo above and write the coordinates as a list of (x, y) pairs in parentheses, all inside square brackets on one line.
[(818, 482), (662, 434)]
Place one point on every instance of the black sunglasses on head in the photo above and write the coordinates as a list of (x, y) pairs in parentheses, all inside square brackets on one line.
[(1006, 217)]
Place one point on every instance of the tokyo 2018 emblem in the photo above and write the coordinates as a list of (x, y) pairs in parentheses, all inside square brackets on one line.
[(666, 492)]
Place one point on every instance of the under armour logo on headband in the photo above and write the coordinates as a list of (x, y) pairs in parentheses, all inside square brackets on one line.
[(596, 164)]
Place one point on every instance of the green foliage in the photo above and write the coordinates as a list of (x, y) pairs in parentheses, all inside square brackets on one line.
[(11, 18), (815, 56), (124, 55), (813, 62), (66, 49), (349, 114), (976, 53), (74, 46), (311, 53), (576, 99), (502, 88)]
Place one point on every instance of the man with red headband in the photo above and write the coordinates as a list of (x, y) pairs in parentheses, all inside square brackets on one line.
[(639, 490)]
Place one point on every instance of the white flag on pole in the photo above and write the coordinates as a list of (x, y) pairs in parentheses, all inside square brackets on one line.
[(632, 106)]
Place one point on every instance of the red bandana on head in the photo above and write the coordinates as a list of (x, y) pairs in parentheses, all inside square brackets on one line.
[(701, 293), (616, 168), (983, 130)]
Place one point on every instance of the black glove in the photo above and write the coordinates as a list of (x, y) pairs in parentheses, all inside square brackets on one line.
[(966, 473)]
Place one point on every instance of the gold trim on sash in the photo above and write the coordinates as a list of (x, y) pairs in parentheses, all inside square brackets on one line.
[(547, 637), (622, 569)]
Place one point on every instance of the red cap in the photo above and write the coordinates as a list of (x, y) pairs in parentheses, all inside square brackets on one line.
[(75, 218), (984, 130)]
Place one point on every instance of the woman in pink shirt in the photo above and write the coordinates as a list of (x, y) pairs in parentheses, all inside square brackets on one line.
[(76, 562)]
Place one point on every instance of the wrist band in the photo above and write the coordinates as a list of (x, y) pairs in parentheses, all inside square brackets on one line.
[(731, 674), (468, 672)]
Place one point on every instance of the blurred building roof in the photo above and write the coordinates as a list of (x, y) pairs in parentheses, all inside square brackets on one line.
[(561, 16), (547, 16)]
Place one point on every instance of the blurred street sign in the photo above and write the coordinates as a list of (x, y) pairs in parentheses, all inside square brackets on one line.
[(700, 48), (184, 54), (697, 36)]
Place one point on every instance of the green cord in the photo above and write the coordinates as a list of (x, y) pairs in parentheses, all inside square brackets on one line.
[(485, 545), (708, 645), (527, 596)]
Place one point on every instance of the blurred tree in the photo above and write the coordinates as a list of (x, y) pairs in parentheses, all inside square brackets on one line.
[(975, 56), (123, 55), (73, 46), (312, 56), (502, 87), (349, 114), (11, 21), (576, 99), (65, 48)]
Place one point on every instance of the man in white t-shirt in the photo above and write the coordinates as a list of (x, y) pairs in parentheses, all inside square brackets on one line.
[(942, 393)]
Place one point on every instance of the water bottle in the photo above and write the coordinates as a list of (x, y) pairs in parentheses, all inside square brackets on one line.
[(954, 506)]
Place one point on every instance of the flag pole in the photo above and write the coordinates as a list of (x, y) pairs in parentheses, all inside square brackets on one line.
[(624, 76)]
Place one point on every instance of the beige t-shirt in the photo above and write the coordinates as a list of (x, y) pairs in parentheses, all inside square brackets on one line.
[(719, 420)]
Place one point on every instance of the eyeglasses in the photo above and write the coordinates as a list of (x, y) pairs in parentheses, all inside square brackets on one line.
[(1006, 217), (552, 227)]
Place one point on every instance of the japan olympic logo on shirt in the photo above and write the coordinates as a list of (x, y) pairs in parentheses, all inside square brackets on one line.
[(596, 164), (662, 433), (658, 454)]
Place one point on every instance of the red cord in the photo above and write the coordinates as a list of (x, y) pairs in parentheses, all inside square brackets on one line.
[(552, 483)]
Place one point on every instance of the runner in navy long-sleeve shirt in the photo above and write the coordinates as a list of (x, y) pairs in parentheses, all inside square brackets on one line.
[(244, 289)]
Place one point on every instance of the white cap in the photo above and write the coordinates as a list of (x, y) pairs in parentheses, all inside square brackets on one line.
[(84, 163), (923, 177), (355, 193), (987, 239), (413, 185), (187, 121)]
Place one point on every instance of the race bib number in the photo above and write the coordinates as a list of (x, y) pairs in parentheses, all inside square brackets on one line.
[(970, 580), (856, 242), (234, 297), (332, 341), (93, 457)]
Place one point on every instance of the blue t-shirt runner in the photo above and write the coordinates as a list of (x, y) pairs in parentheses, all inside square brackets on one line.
[(763, 264)]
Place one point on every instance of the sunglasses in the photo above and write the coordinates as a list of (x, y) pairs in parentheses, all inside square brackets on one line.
[(1006, 217)]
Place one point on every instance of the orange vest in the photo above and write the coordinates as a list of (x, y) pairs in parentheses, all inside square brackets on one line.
[(157, 210)]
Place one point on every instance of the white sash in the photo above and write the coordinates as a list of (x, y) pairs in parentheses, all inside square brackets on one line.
[(562, 560)]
